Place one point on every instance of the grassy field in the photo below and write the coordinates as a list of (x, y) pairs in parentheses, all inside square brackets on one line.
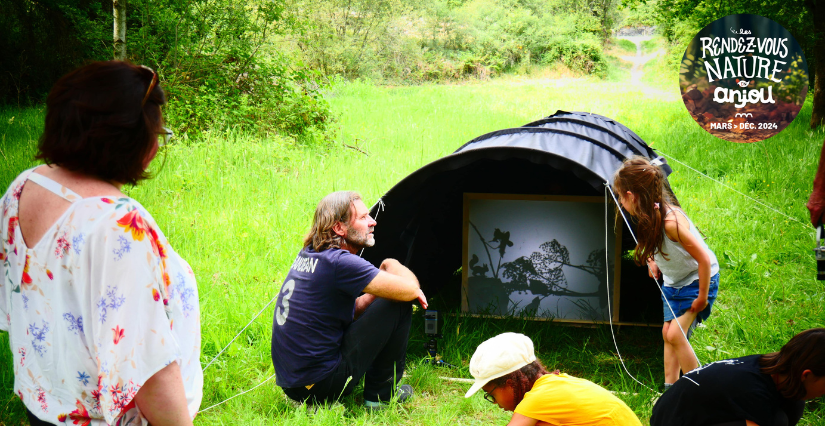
[(236, 208)]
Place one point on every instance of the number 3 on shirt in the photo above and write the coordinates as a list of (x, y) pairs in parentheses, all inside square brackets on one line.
[(280, 315)]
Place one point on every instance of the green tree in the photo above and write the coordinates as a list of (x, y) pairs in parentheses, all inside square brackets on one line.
[(219, 60), (42, 40), (346, 37), (119, 36)]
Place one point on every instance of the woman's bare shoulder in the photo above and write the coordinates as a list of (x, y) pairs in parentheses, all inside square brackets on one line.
[(83, 185)]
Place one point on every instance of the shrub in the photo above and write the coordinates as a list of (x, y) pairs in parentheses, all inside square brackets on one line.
[(217, 59), (582, 54), (436, 40)]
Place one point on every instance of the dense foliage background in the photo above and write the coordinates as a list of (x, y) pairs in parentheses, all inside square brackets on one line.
[(263, 65)]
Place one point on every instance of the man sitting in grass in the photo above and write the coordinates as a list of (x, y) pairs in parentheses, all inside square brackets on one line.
[(326, 334), (755, 390)]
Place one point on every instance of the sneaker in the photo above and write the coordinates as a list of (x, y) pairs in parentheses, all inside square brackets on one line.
[(402, 393)]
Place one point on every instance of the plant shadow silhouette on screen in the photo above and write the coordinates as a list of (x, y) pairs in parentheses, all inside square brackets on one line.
[(541, 274)]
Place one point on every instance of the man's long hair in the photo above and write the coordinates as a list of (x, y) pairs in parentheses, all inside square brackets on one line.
[(334, 208), (805, 351)]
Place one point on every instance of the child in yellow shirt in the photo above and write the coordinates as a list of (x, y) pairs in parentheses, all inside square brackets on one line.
[(506, 368)]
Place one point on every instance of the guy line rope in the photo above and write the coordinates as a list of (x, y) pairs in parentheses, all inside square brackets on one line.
[(381, 206), (736, 191), (607, 288)]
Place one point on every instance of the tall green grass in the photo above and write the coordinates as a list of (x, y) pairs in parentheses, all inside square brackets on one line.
[(625, 47), (236, 207)]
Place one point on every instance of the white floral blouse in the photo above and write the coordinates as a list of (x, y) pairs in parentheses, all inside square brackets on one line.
[(94, 309)]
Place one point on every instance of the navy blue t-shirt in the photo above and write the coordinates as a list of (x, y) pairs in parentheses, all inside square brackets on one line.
[(316, 304)]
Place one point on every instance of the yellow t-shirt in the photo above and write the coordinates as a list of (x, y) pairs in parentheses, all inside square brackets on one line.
[(570, 401)]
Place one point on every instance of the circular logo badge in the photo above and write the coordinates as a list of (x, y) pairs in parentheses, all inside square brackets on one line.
[(743, 78)]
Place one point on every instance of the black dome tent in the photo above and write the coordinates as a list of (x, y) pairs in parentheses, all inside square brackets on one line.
[(421, 219)]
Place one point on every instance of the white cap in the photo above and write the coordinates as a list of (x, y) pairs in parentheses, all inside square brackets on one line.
[(498, 356)]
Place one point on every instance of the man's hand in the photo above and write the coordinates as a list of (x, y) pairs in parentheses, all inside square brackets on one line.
[(699, 304), (422, 299), (393, 266), (362, 302)]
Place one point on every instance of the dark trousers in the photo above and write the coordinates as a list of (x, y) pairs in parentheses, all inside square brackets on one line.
[(375, 347)]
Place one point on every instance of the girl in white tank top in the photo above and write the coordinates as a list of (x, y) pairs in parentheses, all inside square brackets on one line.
[(673, 249)]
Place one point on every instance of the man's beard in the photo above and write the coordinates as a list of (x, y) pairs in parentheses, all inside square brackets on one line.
[(360, 240)]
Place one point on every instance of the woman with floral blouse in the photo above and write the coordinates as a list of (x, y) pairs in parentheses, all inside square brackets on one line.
[(102, 314)]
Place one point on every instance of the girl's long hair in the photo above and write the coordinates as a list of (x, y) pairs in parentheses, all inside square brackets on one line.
[(805, 351), (647, 182), (522, 379)]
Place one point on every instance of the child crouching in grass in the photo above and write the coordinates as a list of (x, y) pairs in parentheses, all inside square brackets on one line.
[(506, 369), (673, 249), (754, 390)]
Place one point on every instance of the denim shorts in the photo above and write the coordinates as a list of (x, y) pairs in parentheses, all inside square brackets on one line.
[(680, 299)]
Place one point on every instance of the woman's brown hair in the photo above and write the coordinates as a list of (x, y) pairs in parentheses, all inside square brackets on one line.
[(805, 351), (334, 208), (647, 183), (522, 380), (97, 122)]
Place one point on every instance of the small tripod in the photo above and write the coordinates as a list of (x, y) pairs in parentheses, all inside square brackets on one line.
[(432, 327), (432, 350)]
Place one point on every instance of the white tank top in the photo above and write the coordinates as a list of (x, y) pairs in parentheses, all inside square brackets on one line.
[(681, 268)]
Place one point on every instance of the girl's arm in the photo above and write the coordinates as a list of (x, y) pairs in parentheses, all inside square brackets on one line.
[(678, 229), (522, 420)]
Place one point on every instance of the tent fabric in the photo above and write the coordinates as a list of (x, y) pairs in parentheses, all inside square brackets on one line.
[(567, 153), (596, 142)]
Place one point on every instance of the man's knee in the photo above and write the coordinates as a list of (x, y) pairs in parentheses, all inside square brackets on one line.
[(385, 307)]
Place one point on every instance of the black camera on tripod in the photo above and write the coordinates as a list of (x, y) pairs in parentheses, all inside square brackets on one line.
[(432, 328), (432, 323)]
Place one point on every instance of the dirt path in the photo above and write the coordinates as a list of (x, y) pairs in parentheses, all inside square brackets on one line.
[(636, 70), (639, 59)]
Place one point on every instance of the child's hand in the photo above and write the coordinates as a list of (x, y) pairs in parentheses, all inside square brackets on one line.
[(653, 270), (699, 304)]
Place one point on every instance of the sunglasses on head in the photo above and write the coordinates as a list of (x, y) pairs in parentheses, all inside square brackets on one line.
[(152, 84), (166, 134)]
